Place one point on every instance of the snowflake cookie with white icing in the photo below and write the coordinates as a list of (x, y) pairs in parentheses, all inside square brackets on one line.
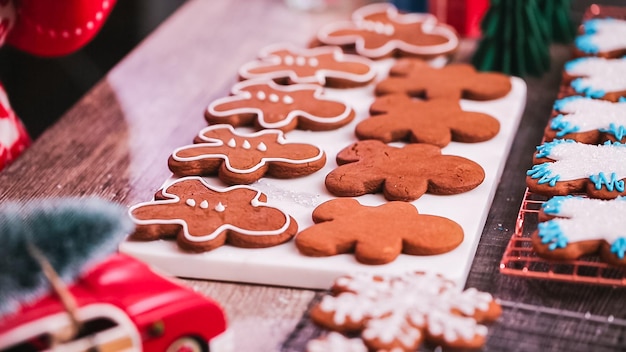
[(335, 342), (379, 30), (326, 65), (587, 120), (266, 105), (604, 37), (596, 77), (398, 313), (243, 158), (202, 218), (564, 166), (572, 227)]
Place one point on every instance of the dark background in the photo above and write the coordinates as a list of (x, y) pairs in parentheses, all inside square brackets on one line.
[(42, 89)]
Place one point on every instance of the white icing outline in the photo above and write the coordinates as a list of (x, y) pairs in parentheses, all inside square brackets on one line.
[(430, 26), (214, 142), (238, 94), (267, 58), (225, 227)]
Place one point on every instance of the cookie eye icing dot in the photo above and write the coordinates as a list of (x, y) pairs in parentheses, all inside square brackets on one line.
[(550, 232), (220, 207), (204, 204), (231, 143), (190, 202)]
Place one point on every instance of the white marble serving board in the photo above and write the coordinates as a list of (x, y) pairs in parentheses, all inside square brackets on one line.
[(283, 265)]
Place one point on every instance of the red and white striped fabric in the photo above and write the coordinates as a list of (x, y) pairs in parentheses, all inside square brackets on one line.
[(13, 136)]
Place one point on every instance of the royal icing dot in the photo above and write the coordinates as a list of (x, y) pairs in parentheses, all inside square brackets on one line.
[(261, 147), (204, 204), (313, 62), (300, 61), (287, 99), (220, 207), (190, 202), (274, 98), (289, 60), (260, 95), (246, 144), (232, 143)]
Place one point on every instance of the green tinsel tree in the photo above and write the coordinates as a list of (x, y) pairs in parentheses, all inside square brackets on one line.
[(515, 39), (558, 19)]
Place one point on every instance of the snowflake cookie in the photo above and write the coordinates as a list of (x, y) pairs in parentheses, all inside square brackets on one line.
[(564, 166), (327, 66), (398, 117), (336, 342), (572, 227), (202, 218), (604, 37), (267, 105), (398, 313), (417, 78), (405, 174), (596, 77), (240, 158), (376, 235), (379, 30), (587, 120)]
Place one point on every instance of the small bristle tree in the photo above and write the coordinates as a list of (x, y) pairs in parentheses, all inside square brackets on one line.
[(558, 19), (71, 233)]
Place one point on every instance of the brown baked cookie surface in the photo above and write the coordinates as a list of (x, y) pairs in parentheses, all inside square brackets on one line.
[(417, 78), (266, 105), (243, 158), (376, 235), (404, 174), (202, 218), (327, 66), (398, 117), (571, 227), (379, 30), (400, 312)]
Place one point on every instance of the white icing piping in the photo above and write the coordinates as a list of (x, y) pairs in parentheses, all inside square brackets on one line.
[(268, 59), (175, 199), (214, 142), (240, 95)]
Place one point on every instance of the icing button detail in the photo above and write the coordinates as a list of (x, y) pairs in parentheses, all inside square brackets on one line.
[(262, 147), (274, 98), (232, 143), (190, 202), (260, 95), (220, 207), (246, 144), (204, 204), (287, 99)]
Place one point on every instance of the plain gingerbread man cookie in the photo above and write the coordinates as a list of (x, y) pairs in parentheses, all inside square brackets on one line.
[(417, 78), (376, 235), (398, 117), (404, 174)]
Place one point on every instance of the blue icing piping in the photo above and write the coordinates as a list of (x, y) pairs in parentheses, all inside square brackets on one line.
[(614, 144), (553, 205), (550, 232), (562, 103), (544, 174), (545, 149), (570, 65), (580, 87), (621, 100), (563, 127), (585, 44), (611, 183), (619, 131), (619, 247)]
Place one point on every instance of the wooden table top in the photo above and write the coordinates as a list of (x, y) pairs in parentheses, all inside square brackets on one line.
[(115, 142)]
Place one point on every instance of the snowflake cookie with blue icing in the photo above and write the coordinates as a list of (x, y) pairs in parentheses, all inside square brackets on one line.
[(604, 37), (587, 120), (201, 218), (400, 312), (564, 166), (596, 77), (243, 158), (264, 104), (573, 226)]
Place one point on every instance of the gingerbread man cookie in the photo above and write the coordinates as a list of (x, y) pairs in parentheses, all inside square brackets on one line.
[(564, 167), (327, 66), (596, 77), (398, 117), (202, 218), (378, 30), (604, 37), (398, 313), (572, 227), (267, 105), (345, 226), (240, 158), (587, 120), (404, 174), (417, 78)]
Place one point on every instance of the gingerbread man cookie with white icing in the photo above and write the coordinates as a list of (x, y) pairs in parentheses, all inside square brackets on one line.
[(266, 105), (243, 158), (202, 218), (327, 66), (379, 31)]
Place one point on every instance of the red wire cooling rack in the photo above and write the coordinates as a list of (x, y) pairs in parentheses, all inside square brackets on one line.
[(520, 259)]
